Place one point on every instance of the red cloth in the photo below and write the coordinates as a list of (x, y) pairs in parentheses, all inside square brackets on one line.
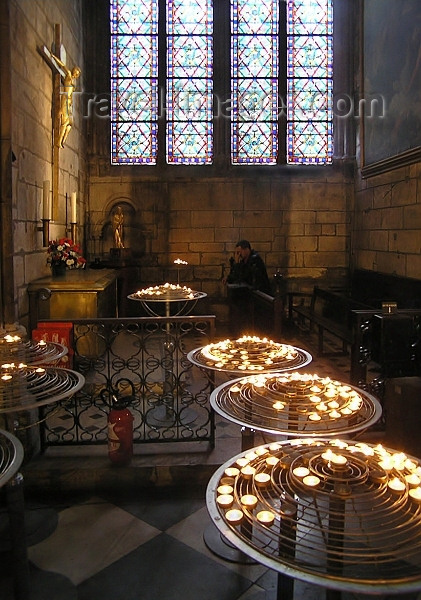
[(60, 333)]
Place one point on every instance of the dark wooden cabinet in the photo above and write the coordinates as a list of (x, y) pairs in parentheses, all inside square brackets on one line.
[(393, 337)]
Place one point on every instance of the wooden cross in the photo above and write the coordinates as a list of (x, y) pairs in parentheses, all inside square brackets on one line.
[(62, 104)]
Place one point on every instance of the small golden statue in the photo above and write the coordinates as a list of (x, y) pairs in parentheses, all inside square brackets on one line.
[(117, 223)]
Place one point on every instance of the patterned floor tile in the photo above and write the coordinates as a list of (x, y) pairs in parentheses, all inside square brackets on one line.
[(90, 537)]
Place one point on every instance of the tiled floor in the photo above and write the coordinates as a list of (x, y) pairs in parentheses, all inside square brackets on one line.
[(134, 543)]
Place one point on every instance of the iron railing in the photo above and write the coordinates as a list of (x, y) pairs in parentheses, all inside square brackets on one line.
[(144, 361)]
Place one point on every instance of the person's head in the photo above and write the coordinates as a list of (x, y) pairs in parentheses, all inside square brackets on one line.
[(243, 249)]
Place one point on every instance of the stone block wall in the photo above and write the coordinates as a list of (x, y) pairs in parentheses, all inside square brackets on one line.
[(386, 225), (300, 224)]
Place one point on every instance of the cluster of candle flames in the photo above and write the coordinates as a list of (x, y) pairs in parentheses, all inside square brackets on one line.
[(396, 471), (14, 349), (248, 353), (168, 290), (9, 371), (314, 396), (11, 343)]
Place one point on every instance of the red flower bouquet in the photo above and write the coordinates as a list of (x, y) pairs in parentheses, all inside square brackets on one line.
[(65, 252)]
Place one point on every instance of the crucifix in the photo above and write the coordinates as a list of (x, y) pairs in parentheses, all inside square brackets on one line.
[(64, 83)]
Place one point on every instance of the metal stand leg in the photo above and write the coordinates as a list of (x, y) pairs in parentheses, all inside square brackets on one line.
[(285, 587), (288, 528), (16, 511), (247, 438)]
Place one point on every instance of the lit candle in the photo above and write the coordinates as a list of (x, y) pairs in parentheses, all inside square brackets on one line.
[(225, 500), (396, 485), (413, 480), (225, 489), (261, 479), (301, 471), (271, 461), (249, 501), (279, 405), (46, 201), (314, 417), (334, 414), (386, 464), (332, 457), (247, 472), (73, 217), (415, 494), (232, 472), (327, 456), (234, 516), (311, 480), (251, 456), (261, 451), (266, 517), (339, 459)]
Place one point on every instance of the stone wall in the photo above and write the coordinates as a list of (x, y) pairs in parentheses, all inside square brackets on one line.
[(386, 228), (32, 24), (300, 224)]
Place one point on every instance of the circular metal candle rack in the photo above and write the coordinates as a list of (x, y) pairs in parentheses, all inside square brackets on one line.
[(168, 293), (11, 456), (296, 404), (342, 514), (13, 349), (24, 387), (249, 354)]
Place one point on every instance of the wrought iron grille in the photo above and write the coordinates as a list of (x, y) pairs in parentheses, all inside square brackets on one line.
[(144, 362)]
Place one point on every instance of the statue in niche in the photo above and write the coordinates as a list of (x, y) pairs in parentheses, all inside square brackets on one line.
[(66, 99), (117, 224)]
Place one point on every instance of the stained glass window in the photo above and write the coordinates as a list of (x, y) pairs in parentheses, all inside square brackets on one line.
[(189, 81), (254, 81), (134, 81), (309, 81), (257, 127)]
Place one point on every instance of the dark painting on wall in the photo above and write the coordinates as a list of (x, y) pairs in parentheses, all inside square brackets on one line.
[(392, 78)]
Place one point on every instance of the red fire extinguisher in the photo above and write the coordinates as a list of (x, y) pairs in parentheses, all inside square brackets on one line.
[(120, 432)]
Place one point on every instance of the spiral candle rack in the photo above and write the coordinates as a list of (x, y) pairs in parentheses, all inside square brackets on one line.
[(24, 387), (14, 349), (249, 354), (11, 456), (296, 404), (338, 513), (168, 293)]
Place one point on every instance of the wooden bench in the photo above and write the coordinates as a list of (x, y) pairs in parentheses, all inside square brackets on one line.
[(329, 311), (373, 288), (267, 314), (253, 311)]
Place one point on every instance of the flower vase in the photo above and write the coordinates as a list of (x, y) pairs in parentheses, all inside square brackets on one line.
[(58, 270)]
